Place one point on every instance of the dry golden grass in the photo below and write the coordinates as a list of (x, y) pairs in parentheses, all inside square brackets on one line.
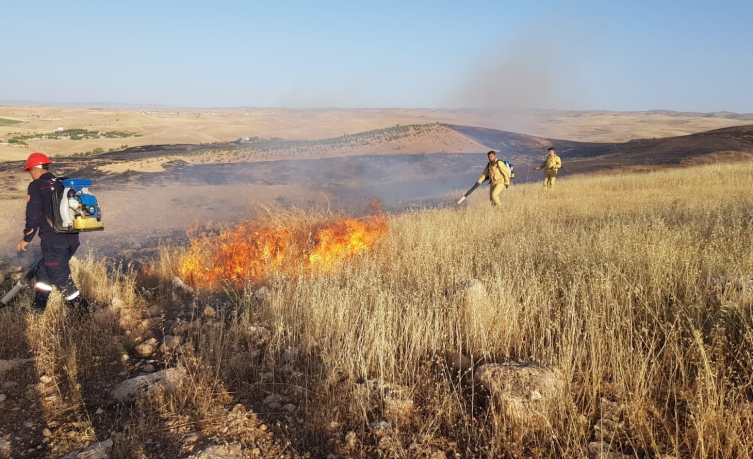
[(610, 279)]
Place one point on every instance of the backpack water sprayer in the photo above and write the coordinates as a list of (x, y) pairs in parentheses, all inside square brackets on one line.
[(75, 208)]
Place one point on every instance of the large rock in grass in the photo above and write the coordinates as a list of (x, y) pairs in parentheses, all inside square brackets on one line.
[(99, 450), (603, 450), (138, 387), (470, 292), (7, 365), (526, 392), (231, 451), (734, 287)]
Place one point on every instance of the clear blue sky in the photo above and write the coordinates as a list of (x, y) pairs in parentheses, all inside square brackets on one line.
[(614, 55)]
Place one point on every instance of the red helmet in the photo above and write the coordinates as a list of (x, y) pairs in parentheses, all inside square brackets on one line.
[(36, 159)]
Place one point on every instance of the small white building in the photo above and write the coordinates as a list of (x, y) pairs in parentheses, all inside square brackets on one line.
[(61, 129)]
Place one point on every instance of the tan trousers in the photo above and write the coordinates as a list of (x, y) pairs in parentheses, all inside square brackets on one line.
[(549, 178), (494, 191)]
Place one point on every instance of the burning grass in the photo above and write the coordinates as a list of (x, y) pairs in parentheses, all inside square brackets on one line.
[(251, 251)]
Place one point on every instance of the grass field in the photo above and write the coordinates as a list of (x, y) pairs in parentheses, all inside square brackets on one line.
[(613, 279), (7, 122)]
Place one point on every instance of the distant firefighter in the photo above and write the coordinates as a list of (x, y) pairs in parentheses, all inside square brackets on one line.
[(551, 165), (499, 177)]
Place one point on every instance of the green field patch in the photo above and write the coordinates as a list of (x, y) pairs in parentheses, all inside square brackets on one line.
[(7, 122), (74, 134)]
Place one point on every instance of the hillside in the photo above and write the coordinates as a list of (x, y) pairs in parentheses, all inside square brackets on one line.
[(731, 142), (164, 125), (396, 140)]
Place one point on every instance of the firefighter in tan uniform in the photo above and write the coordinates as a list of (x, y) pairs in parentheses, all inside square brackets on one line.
[(551, 165), (498, 175)]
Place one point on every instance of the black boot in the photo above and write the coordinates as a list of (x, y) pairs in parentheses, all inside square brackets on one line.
[(40, 299), (78, 304)]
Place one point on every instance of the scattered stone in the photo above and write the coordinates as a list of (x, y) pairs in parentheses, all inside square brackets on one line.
[(397, 400), (734, 287), (261, 294), (147, 348), (607, 428), (169, 344), (209, 312), (309, 345), (99, 411), (46, 432), (289, 407), (469, 292), (381, 427), (148, 368), (525, 391), (7, 365), (458, 361), (9, 384), (140, 386), (99, 450), (231, 451), (105, 316), (3, 397), (601, 450), (155, 310), (28, 424), (45, 379), (290, 354), (258, 336), (178, 284), (117, 303), (351, 440)]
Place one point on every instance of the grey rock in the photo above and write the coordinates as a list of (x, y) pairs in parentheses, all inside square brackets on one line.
[(525, 391), (458, 361), (257, 336), (3, 397), (231, 451), (99, 450), (148, 368), (169, 344), (261, 294), (138, 387), (147, 348), (381, 427), (602, 450), (470, 292), (178, 284), (7, 365)]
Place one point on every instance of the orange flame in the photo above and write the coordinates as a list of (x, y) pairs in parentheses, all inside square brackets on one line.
[(345, 239), (237, 255), (246, 253)]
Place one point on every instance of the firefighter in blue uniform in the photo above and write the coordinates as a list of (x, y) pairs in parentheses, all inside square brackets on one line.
[(57, 248)]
